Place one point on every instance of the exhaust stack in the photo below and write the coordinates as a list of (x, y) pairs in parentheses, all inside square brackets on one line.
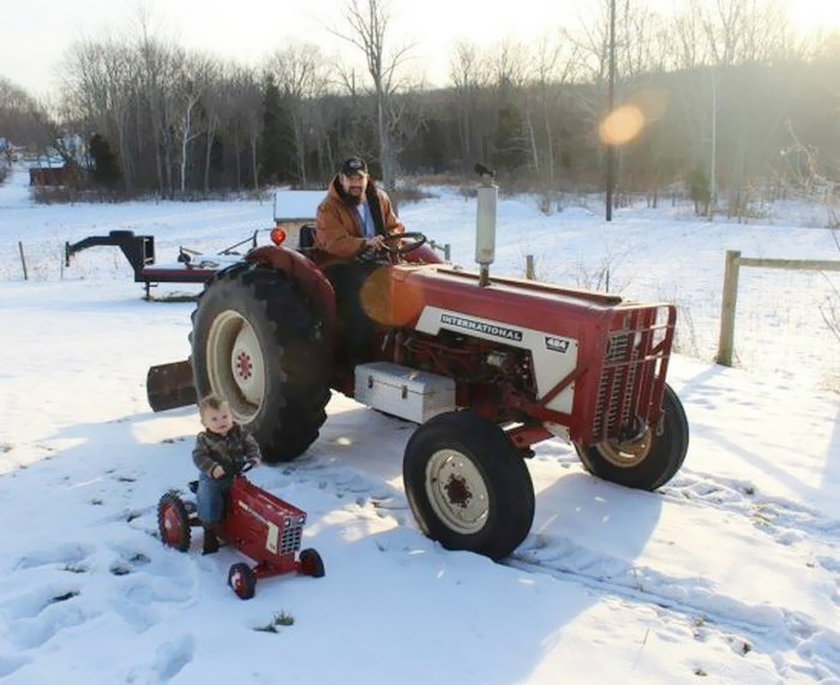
[(485, 230)]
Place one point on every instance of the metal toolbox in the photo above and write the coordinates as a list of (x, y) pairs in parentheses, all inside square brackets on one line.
[(399, 390)]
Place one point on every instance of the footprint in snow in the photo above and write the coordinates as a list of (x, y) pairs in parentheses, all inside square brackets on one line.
[(31, 604), (172, 656), (69, 554)]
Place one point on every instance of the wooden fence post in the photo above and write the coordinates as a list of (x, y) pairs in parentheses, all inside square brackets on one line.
[(23, 260), (727, 309), (529, 268)]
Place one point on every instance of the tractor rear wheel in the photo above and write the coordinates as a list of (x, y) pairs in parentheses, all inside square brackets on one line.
[(174, 522), (258, 343), (648, 462), (467, 485)]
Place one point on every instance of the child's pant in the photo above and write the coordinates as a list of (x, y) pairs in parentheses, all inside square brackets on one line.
[(211, 496)]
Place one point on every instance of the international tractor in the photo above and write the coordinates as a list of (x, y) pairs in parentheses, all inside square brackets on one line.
[(487, 367)]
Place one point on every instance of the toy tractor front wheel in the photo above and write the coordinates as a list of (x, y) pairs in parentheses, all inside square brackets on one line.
[(311, 563), (259, 343), (174, 522), (243, 580), (649, 461), (467, 485)]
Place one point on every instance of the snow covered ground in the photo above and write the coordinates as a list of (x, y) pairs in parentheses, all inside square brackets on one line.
[(730, 572)]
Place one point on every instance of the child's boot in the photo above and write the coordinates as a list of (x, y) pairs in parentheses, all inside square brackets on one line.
[(211, 542)]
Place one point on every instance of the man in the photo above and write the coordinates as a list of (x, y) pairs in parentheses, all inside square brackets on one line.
[(355, 216)]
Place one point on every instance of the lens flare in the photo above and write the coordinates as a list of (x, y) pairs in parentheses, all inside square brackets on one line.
[(622, 125), (389, 300)]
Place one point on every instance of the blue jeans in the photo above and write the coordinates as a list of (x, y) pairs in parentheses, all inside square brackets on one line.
[(211, 496)]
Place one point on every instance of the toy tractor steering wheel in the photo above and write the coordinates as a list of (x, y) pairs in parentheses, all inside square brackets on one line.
[(247, 466)]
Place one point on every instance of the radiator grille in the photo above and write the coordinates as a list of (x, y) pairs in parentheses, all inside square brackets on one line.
[(291, 538), (632, 376)]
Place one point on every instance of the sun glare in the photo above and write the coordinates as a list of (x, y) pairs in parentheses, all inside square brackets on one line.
[(622, 125), (808, 16)]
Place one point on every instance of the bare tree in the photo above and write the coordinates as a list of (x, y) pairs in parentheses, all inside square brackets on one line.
[(555, 64), (300, 73), (469, 74), (369, 21)]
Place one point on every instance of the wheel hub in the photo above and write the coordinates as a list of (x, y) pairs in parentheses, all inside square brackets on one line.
[(243, 366), (629, 453), (457, 491)]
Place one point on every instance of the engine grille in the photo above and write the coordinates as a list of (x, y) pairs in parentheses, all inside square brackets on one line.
[(291, 538), (632, 378)]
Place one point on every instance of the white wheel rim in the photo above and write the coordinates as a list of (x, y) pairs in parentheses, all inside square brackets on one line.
[(457, 491), (235, 365)]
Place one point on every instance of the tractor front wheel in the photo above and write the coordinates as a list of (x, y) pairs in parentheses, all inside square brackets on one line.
[(467, 485), (649, 461)]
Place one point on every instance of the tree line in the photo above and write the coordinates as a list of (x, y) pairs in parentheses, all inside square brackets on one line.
[(722, 98)]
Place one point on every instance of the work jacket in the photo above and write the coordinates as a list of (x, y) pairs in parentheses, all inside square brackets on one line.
[(338, 226)]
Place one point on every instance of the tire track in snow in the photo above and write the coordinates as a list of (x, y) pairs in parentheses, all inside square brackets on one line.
[(759, 628), (776, 515)]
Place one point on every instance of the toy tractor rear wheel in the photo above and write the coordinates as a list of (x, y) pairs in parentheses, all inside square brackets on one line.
[(311, 563), (467, 485), (243, 580), (259, 343), (649, 461), (174, 522)]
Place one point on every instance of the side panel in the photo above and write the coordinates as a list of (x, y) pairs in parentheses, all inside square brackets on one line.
[(554, 357)]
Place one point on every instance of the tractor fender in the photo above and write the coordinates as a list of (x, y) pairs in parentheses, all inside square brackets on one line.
[(301, 271)]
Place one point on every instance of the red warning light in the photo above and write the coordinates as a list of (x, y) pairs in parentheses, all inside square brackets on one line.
[(278, 236)]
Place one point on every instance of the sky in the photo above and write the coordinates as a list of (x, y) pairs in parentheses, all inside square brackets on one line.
[(36, 34), (727, 574)]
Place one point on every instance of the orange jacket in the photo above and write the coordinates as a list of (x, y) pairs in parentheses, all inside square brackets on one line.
[(338, 227)]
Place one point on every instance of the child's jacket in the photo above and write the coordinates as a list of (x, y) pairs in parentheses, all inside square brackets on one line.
[(229, 451)]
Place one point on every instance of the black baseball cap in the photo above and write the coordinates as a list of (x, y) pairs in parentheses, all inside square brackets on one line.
[(353, 165)]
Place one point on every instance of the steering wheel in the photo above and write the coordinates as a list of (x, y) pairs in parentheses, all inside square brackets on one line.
[(394, 246)]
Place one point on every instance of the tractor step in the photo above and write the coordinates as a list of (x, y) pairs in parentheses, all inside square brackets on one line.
[(170, 385)]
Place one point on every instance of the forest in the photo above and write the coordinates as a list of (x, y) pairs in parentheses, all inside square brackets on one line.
[(723, 101)]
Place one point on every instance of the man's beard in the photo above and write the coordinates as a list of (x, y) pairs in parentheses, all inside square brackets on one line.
[(355, 199)]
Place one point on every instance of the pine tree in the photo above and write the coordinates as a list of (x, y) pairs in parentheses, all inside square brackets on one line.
[(509, 140), (106, 171)]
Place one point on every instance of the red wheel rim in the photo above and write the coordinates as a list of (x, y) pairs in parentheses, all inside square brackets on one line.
[(172, 526)]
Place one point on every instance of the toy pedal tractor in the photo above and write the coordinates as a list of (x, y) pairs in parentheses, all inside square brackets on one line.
[(260, 525)]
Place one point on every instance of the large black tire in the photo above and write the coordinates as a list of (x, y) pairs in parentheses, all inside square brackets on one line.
[(174, 522), (258, 342), (467, 485), (646, 463)]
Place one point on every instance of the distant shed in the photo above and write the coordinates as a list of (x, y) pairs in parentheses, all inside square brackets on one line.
[(53, 176)]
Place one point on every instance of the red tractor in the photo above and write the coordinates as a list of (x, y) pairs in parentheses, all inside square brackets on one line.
[(487, 366), (261, 526)]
